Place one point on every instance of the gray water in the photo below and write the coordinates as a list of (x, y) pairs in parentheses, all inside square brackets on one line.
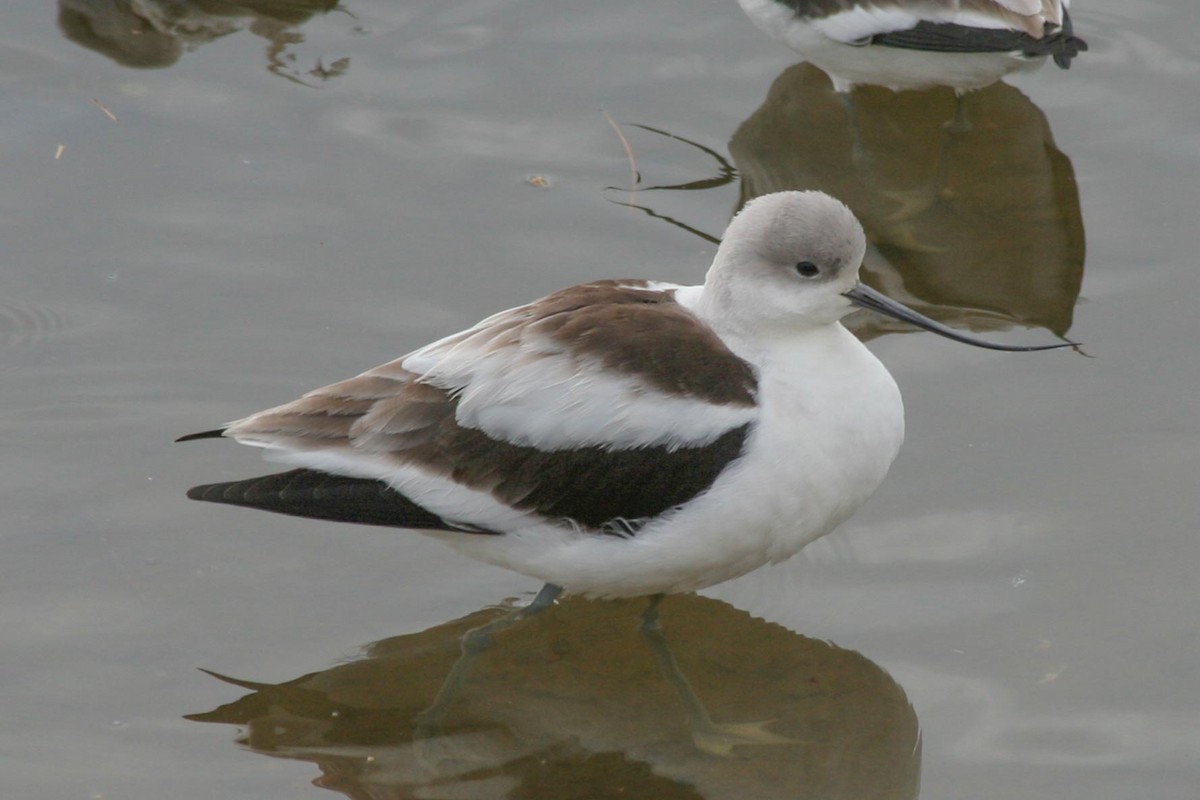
[(201, 223)]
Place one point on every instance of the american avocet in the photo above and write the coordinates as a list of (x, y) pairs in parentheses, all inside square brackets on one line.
[(619, 438), (915, 44)]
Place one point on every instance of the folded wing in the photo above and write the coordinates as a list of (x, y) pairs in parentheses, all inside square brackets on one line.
[(597, 407)]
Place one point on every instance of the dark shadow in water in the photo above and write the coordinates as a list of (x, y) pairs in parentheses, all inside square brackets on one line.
[(977, 227), (155, 33), (574, 703), (971, 211)]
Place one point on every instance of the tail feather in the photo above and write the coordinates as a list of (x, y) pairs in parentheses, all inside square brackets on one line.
[(217, 433)]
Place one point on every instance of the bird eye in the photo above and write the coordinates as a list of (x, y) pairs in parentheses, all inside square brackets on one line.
[(807, 269)]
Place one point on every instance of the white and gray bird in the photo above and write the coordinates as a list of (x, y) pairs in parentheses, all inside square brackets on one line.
[(623, 437), (916, 44)]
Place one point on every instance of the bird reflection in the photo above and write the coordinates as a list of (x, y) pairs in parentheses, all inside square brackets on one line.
[(148, 34), (575, 703), (978, 228)]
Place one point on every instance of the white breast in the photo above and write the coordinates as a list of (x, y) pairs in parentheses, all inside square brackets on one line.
[(831, 424)]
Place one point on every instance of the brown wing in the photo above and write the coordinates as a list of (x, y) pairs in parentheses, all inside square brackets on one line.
[(393, 416)]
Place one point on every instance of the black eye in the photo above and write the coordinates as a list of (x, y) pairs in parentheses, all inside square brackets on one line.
[(807, 269)]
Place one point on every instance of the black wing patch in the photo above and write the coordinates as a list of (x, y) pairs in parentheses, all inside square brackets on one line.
[(945, 37), (321, 495), (593, 487), (605, 491), (215, 433)]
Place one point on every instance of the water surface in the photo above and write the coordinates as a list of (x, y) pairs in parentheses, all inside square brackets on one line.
[(202, 216)]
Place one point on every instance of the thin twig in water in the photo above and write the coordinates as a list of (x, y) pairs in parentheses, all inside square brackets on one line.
[(728, 174), (102, 107), (708, 237), (634, 177)]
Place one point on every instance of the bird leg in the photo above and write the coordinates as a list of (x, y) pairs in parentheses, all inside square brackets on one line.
[(960, 123), (474, 643), (715, 738), (859, 157)]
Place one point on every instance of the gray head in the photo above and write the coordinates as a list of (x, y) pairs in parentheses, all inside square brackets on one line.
[(786, 260)]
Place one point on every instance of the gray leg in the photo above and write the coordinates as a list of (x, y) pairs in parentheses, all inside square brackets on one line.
[(711, 737), (474, 643), (960, 123), (858, 152)]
